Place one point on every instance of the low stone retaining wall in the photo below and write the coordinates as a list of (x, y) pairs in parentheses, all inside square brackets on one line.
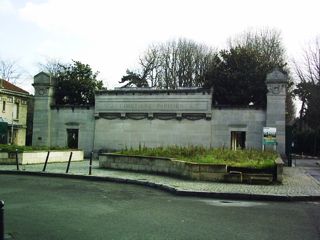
[(38, 157), (194, 171), (170, 166), (280, 165), (4, 158)]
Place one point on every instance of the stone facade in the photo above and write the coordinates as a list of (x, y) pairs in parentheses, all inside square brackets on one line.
[(225, 121), (133, 118), (125, 118), (43, 99), (276, 105), (13, 113)]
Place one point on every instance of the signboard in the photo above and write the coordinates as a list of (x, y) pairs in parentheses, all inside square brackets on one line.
[(269, 135)]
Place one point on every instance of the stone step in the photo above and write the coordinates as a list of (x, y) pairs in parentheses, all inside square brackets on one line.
[(259, 178), (233, 177)]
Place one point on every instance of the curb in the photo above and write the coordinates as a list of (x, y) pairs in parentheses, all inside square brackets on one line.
[(172, 190), (294, 156)]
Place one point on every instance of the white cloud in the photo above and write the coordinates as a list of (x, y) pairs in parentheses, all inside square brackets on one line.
[(6, 7), (111, 34)]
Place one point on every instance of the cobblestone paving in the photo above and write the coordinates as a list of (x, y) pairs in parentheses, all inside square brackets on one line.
[(296, 181)]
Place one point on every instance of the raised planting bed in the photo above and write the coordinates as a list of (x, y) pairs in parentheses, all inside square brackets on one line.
[(169, 166), (39, 157), (189, 170)]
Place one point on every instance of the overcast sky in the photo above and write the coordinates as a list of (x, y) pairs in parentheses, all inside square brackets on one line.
[(111, 35)]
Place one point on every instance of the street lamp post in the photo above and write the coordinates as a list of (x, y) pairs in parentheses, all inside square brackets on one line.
[(12, 129)]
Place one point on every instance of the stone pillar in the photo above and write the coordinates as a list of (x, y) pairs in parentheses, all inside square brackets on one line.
[(43, 99), (276, 106)]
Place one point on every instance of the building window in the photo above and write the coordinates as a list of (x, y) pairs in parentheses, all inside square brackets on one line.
[(238, 140), (16, 111), (3, 106)]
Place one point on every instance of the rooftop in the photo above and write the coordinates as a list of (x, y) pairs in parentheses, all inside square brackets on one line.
[(11, 87)]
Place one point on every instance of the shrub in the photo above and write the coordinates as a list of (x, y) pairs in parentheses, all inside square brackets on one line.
[(13, 148), (240, 158)]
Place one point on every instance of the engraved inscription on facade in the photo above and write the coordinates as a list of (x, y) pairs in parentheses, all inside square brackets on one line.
[(154, 106)]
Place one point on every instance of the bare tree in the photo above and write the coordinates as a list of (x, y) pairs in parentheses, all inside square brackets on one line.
[(309, 69), (173, 64), (150, 64), (9, 70), (51, 66), (308, 88), (266, 41)]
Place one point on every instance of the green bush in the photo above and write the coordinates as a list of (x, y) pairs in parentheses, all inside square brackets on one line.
[(241, 158)]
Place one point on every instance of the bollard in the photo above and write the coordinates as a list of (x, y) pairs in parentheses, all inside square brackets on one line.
[(45, 163), (69, 163), (17, 160), (90, 166), (1, 220)]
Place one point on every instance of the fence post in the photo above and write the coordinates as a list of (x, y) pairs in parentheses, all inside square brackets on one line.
[(17, 160), (69, 163), (45, 163), (90, 166), (1, 220)]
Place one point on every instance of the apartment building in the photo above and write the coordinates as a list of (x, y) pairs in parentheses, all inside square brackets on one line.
[(13, 113)]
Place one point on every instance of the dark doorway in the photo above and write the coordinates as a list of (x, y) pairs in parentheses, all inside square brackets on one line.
[(72, 137), (238, 140), (3, 133)]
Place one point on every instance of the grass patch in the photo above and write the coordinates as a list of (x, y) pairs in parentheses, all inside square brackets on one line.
[(12, 148), (249, 158)]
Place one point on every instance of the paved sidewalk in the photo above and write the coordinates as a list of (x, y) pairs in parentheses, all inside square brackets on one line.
[(297, 183)]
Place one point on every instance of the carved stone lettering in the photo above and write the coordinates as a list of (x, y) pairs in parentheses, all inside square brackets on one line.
[(154, 106)]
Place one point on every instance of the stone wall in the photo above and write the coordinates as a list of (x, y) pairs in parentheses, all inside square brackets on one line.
[(205, 172), (73, 118), (39, 157), (119, 134), (194, 171), (125, 133), (125, 118), (248, 120), (151, 118), (54, 156)]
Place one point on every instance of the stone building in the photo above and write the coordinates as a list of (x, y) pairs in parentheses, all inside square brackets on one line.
[(13, 114), (125, 118)]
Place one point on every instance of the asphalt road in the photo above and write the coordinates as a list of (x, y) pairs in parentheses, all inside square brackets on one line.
[(53, 208)]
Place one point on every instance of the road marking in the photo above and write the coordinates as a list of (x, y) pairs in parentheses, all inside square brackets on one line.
[(227, 203)]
